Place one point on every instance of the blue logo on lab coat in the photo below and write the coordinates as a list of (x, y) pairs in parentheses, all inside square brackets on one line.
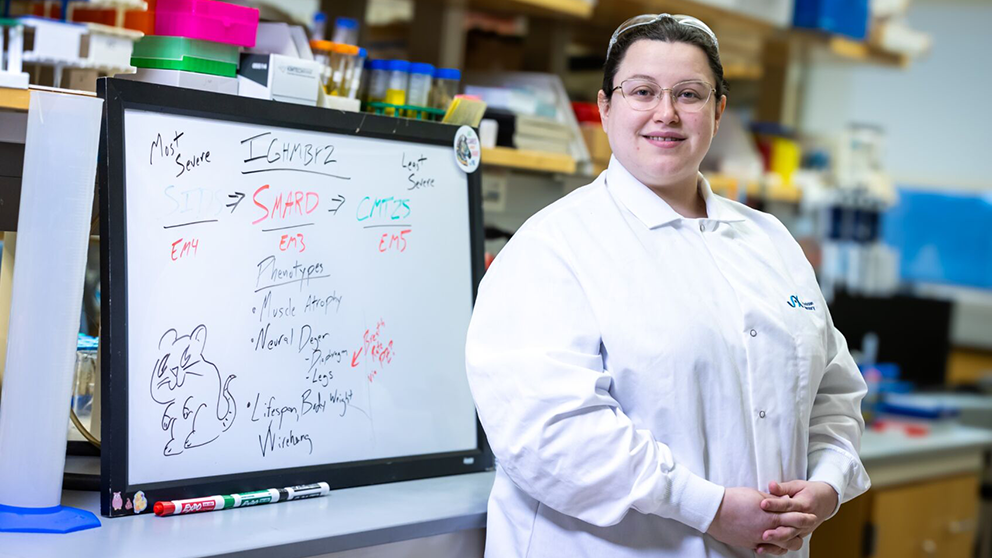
[(796, 303)]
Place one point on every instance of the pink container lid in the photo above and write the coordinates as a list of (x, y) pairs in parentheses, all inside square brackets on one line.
[(207, 20)]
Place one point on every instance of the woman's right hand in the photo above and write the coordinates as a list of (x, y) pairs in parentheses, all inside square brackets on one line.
[(740, 521)]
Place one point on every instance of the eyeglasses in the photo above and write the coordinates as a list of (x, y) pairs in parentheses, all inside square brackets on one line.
[(687, 96), (647, 19)]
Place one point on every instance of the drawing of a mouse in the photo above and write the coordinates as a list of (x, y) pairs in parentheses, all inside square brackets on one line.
[(198, 406)]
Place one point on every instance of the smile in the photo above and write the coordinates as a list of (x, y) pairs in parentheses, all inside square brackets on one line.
[(667, 141)]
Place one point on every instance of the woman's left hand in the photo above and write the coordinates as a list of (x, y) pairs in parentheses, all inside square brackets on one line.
[(817, 498)]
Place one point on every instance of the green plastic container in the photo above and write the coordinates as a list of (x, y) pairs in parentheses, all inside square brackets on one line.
[(187, 64), (191, 55)]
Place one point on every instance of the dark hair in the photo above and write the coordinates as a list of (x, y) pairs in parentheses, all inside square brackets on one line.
[(669, 31)]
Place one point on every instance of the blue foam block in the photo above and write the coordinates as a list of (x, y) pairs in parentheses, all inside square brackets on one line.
[(942, 236), (57, 519)]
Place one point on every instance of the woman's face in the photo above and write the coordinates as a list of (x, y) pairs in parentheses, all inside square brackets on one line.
[(636, 136)]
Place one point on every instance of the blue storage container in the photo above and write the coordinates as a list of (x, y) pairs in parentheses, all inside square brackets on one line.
[(942, 237), (844, 17)]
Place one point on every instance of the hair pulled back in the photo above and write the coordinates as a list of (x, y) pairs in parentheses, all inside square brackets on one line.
[(670, 31)]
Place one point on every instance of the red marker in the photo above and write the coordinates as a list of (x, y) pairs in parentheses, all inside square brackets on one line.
[(192, 505)]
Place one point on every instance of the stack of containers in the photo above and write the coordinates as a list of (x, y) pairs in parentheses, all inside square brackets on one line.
[(343, 65), (132, 18), (196, 44), (107, 47), (415, 90)]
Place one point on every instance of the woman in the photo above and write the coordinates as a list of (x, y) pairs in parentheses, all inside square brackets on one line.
[(637, 354)]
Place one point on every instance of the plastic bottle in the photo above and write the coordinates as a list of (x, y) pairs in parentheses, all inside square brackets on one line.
[(378, 81), (363, 87), (322, 53), (317, 26), (445, 87), (356, 77), (342, 64), (420, 85), (345, 31), (399, 74)]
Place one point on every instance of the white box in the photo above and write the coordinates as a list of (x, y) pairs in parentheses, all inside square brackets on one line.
[(189, 80), (338, 103), (279, 78), (54, 41), (108, 48)]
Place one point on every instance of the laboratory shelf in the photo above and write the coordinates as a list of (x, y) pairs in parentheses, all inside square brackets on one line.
[(528, 160), (865, 52), (845, 48), (14, 99), (557, 9)]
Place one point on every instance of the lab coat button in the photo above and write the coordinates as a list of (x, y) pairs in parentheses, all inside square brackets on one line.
[(754, 333), (702, 227), (761, 414)]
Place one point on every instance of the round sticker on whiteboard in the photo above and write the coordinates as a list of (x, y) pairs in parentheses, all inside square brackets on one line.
[(468, 151)]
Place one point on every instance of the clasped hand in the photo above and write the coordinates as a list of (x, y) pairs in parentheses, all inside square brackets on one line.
[(776, 522)]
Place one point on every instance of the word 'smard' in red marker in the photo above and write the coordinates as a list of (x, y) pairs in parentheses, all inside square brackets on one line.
[(241, 500)]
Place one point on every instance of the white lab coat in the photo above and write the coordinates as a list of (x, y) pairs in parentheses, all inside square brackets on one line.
[(628, 364)]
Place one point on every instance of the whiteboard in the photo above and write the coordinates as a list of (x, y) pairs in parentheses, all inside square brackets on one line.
[(295, 298)]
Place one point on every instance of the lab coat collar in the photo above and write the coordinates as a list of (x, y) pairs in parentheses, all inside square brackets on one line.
[(653, 211)]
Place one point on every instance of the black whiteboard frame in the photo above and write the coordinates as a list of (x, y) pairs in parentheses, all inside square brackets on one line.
[(120, 95)]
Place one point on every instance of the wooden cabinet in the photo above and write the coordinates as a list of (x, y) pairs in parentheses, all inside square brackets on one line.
[(843, 535), (931, 519)]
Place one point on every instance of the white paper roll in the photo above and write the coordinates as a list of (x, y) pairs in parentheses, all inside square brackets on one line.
[(53, 227)]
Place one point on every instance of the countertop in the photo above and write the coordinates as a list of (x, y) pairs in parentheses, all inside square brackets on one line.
[(371, 515), (345, 519)]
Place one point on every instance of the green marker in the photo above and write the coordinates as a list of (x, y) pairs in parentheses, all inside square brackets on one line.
[(245, 499)]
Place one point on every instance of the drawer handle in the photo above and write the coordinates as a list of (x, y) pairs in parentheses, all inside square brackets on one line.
[(930, 547)]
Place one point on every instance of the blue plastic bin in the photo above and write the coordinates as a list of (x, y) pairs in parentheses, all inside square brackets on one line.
[(942, 236), (844, 17)]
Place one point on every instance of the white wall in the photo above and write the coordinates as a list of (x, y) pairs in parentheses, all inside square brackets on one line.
[(936, 114)]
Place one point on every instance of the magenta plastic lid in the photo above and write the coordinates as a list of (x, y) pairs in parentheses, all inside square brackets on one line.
[(207, 20)]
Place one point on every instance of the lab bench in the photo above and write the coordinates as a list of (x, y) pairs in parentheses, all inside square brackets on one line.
[(452, 508), (924, 500), (924, 497)]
